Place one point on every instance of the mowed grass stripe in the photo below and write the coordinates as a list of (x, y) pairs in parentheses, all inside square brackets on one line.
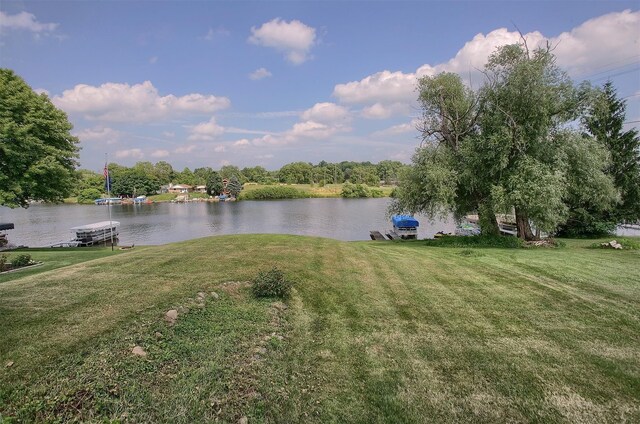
[(375, 332)]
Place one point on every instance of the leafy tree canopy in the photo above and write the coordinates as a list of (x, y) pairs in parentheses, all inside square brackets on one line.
[(37, 151)]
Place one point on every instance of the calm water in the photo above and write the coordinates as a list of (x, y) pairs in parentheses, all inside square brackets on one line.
[(159, 223)]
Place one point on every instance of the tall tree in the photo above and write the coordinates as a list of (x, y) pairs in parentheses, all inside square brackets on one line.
[(234, 186), (164, 172), (37, 151), (214, 184), (526, 100), (605, 121)]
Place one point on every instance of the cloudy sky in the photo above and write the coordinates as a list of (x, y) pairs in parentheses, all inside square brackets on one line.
[(265, 83)]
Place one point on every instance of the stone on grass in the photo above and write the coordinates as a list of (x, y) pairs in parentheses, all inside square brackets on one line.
[(202, 295), (139, 351), (279, 306), (243, 420), (171, 316), (613, 244), (9, 364), (215, 295)]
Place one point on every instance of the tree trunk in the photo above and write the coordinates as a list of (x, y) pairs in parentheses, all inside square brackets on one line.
[(524, 228), (487, 221)]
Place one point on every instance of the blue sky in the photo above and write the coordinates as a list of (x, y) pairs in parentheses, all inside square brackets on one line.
[(271, 82)]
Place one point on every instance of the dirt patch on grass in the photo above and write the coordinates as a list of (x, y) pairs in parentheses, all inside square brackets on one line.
[(235, 288)]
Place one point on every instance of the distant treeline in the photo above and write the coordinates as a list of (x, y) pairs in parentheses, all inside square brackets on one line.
[(146, 178)]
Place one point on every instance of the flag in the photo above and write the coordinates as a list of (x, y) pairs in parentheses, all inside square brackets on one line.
[(107, 178)]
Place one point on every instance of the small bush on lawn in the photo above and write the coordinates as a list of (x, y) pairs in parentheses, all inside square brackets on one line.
[(271, 284), (3, 261), (21, 260)]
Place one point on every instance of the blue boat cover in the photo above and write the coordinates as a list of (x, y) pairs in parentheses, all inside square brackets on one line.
[(404, 221)]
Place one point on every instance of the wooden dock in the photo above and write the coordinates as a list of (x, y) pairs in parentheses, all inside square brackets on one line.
[(377, 236)]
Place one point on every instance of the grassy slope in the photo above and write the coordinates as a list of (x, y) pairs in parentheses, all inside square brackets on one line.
[(375, 332), (328, 190)]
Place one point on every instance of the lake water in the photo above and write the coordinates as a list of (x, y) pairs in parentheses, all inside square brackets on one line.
[(159, 223)]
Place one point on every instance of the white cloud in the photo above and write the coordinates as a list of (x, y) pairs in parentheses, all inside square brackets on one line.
[(206, 131), (407, 127), (383, 86), (599, 43), (117, 102), (380, 111), (160, 153), (219, 149), (169, 134), (130, 153), (242, 143), (259, 74), (606, 40), (27, 22), (99, 134), (327, 113), (294, 38)]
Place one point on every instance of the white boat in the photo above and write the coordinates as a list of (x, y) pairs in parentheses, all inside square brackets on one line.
[(96, 233)]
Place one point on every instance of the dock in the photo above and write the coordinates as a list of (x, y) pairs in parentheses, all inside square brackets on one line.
[(377, 236)]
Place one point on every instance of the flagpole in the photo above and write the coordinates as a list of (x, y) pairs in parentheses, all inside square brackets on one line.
[(108, 183)]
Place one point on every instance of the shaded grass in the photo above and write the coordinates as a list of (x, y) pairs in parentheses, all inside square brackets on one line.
[(374, 332)]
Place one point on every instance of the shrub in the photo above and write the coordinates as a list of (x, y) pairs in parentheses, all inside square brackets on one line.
[(271, 284), (273, 193), (21, 260), (353, 191), (3, 262), (88, 195)]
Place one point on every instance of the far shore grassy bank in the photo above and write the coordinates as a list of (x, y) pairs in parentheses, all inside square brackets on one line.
[(373, 332), (305, 190)]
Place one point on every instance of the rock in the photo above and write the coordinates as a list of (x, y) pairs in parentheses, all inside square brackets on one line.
[(9, 364), (158, 335), (279, 306), (202, 295), (261, 350), (243, 420), (171, 316), (215, 295), (139, 351)]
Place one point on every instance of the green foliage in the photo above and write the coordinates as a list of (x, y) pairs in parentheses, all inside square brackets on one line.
[(3, 261), (234, 186), (505, 242), (430, 185), (164, 173), (21, 260), (296, 173), (132, 182), (214, 184), (88, 195), (271, 283), (354, 191), (37, 151), (274, 192)]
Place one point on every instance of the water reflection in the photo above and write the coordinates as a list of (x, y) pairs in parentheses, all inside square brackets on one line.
[(159, 223)]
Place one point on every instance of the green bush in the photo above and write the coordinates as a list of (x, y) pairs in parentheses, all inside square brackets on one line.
[(271, 284), (21, 260), (88, 195), (273, 193), (3, 262), (355, 191)]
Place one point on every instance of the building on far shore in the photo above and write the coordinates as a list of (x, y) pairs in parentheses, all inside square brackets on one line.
[(180, 188), (201, 189)]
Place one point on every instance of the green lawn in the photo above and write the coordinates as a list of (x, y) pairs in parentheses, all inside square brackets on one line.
[(328, 190), (374, 332)]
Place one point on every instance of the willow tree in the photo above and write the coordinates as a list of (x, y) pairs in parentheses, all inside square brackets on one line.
[(443, 177), (37, 151), (527, 102)]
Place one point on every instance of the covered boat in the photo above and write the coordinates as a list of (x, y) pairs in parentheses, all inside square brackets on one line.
[(96, 233), (405, 226)]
